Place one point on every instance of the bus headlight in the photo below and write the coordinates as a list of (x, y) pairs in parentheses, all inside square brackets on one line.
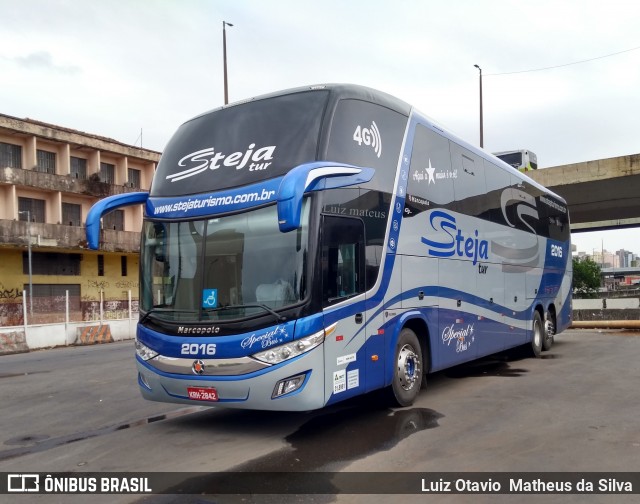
[(281, 353), (144, 352)]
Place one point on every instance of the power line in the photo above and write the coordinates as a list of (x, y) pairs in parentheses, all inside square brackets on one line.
[(139, 138), (565, 64)]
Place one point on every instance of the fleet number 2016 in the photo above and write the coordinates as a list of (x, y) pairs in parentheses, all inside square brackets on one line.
[(556, 251), (198, 348)]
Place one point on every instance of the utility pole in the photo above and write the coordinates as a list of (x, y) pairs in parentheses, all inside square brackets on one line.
[(224, 60), (481, 120), (28, 212)]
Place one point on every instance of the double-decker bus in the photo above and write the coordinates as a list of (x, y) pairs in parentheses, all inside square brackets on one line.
[(308, 246), (521, 159)]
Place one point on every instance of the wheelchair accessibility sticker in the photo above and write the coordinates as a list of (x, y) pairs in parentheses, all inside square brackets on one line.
[(209, 298)]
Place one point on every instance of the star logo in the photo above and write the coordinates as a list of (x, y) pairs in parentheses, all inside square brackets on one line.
[(431, 172), (197, 367)]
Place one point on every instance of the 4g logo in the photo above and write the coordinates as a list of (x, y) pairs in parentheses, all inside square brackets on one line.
[(369, 136)]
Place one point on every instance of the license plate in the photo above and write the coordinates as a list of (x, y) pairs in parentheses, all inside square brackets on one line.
[(202, 393)]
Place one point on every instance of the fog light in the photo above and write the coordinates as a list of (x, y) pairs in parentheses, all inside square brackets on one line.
[(288, 385), (142, 380)]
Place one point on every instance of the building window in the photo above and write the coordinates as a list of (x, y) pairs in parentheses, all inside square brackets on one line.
[(133, 178), (100, 265), (108, 173), (123, 265), (114, 220), (51, 263), (78, 168), (33, 208), (51, 298), (46, 161), (71, 214), (10, 155)]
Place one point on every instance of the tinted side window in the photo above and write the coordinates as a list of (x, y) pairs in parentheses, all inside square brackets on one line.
[(524, 212), (430, 183), (372, 207), (342, 259), (555, 217), (497, 182), (468, 181)]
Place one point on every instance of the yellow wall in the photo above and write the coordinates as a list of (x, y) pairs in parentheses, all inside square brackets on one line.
[(11, 282), (113, 284)]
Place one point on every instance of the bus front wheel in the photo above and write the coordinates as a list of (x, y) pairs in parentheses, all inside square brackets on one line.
[(407, 369)]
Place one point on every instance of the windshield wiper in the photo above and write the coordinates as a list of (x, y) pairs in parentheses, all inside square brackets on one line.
[(278, 317), (163, 309)]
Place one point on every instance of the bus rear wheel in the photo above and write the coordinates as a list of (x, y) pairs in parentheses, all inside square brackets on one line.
[(549, 331), (407, 369), (538, 336)]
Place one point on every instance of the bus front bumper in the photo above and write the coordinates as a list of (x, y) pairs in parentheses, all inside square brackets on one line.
[(294, 385)]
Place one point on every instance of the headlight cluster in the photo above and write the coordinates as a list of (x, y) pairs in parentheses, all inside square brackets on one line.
[(281, 353), (144, 352)]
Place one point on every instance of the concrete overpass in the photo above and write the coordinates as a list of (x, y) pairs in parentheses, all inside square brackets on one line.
[(602, 194), (607, 272)]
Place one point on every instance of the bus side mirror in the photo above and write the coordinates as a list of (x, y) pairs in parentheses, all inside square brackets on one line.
[(313, 177), (106, 205)]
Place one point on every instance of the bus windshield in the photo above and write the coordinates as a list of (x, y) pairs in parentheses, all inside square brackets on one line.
[(223, 268)]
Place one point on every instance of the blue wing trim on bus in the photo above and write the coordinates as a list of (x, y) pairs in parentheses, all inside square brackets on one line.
[(107, 205), (313, 177)]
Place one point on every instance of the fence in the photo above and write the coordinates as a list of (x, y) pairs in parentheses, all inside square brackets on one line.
[(45, 322), (64, 309), (606, 309), (67, 321)]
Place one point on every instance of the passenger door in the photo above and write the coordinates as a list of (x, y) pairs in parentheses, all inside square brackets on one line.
[(343, 286)]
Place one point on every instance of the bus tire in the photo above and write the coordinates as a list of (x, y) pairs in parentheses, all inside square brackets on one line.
[(549, 331), (535, 347), (407, 369)]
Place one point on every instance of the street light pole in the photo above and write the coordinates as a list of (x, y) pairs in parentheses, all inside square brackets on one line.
[(28, 212), (224, 59), (481, 121)]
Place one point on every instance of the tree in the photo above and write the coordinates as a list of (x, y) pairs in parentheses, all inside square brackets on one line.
[(586, 277)]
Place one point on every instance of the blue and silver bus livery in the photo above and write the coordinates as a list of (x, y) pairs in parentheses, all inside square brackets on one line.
[(312, 245)]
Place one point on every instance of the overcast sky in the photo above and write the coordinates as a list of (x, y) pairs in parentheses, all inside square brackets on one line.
[(134, 70)]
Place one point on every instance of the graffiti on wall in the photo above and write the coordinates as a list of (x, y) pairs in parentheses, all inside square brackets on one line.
[(12, 294), (126, 284), (98, 284), (111, 310), (10, 307)]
